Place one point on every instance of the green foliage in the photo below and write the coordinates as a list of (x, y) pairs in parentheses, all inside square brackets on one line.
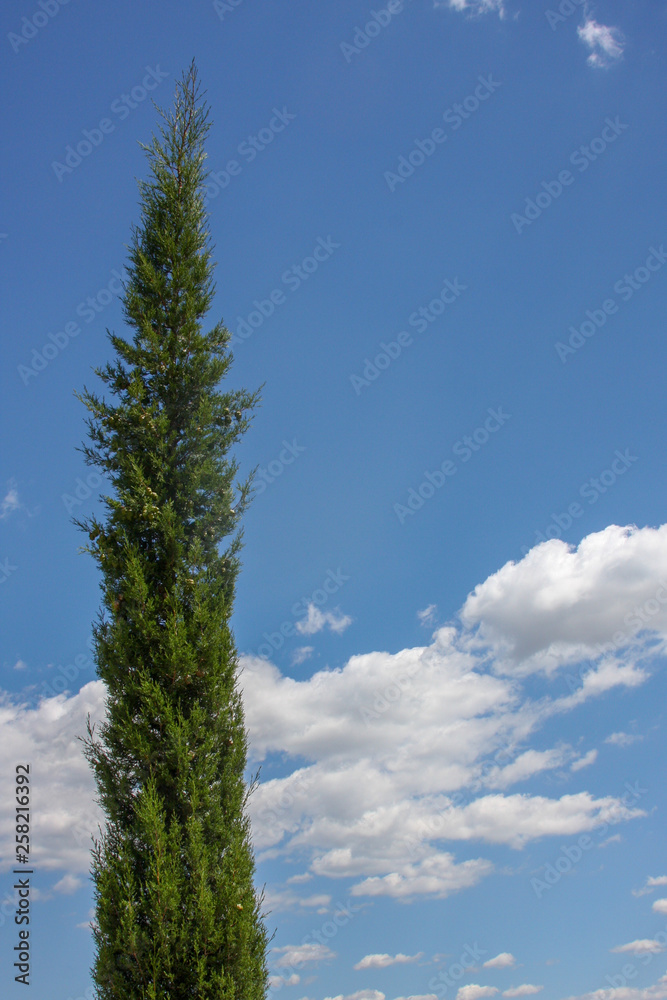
[(177, 914)]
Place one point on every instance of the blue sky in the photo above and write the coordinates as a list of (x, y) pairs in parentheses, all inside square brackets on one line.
[(440, 241)]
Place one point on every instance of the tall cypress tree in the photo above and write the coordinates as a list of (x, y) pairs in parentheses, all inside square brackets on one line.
[(177, 915)]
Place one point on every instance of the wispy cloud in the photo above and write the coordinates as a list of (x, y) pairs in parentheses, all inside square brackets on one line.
[(652, 882), (419, 996), (427, 616), (525, 990), (606, 44), (286, 899), (68, 884), (11, 501), (384, 961), (585, 761), (301, 654), (474, 8), (87, 924), (276, 982), (360, 995), (656, 992), (295, 954), (642, 946), (622, 739)]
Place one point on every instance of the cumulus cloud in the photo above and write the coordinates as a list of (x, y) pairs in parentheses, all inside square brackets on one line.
[(406, 763), (585, 761), (436, 875), (474, 8), (606, 44), (505, 960), (660, 906), (474, 992), (371, 799), (317, 620), (562, 604), (384, 961), (642, 946), (525, 990), (46, 735)]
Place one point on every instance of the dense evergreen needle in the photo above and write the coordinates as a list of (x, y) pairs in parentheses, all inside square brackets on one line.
[(177, 915)]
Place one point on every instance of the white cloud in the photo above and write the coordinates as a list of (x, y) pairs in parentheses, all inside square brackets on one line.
[(87, 924), (276, 982), (303, 877), (384, 961), (419, 996), (10, 501), (46, 735), (606, 44), (427, 616), (360, 995), (301, 654), (585, 761), (68, 884), (397, 783), (525, 766), (436, 875), (475, 8), (278, 900), (372, 798), (475, 992), (295, 954), (660, 906), (652, 882), (561, 604), (655, 992), (622, 739), (525, 990), (642, 946), (316, 620), (20, 665), (608, 674), (505, 960)]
